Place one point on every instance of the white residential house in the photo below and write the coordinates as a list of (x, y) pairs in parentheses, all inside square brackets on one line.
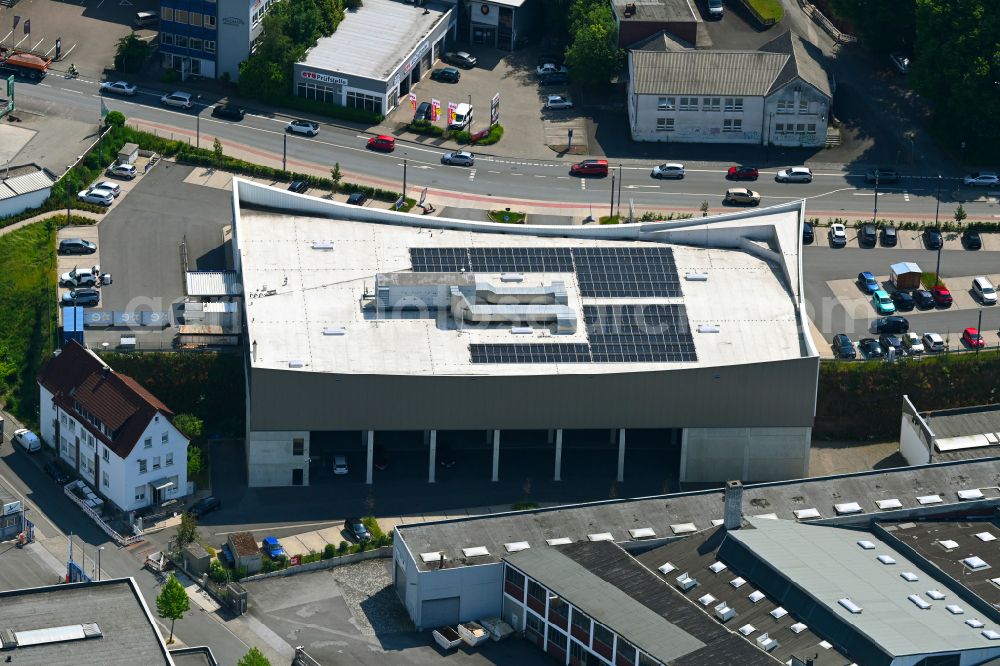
[(778, 95), (117, 436)]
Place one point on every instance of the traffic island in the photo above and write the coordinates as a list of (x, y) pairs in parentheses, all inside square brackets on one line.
[(507, 216)]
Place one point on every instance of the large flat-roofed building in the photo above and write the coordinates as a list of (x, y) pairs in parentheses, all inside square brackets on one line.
[(363, 321)]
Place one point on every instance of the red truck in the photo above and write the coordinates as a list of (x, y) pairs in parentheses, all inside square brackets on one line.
[(23, 64)]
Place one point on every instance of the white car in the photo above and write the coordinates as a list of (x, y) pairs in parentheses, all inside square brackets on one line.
[(306, 127), (933, 342), (913, 344), (668, 170), (339, 465), (460, 158), (114, 188), (550, 68), (794, 175), (558, 102), (81, 277), (981, 179), (118, 88), (181, 100), (126, 171), (97, 196), (838, 235), (27, 439)]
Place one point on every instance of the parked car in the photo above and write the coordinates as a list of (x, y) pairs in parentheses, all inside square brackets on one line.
[(357, 199), (900, 62), (339, 465), (126, 171), (228, 111), (843, 347), (892, 341), (668, 170), (984, 291), (382, 142), (902, 300), (554, 58), (298, 186), (933, 239), (95, 196), (881, 175), (118, 88), (888, 236), (913, 344), (460, 58), (882, 302), (424, 112), (794, 175), (28, 440), (556, 102), (114, 188), (922, 298), (942, 296), (272, 547), (972, 338), (933, 342), (445, 455), (356, 530), (81, 277), (807, 233), (892, 325), (554, 79), (742, 173), (85, 297), (306, 127), (380, 459), (590, 168), (971, 240), (459, 158), (56, 473), (76, 246), (868, 235), (181, 100), (741, 196), (837, 235), (205, 505), (446, 74), (870, 348), (548, 68), (867, 282), (982, 179)]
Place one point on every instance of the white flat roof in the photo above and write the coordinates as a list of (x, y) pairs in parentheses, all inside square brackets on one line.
[(373, 40), (294, 292)]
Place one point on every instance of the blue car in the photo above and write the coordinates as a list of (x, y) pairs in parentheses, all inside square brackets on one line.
[(883, 303), (272, 547), (867, 282)]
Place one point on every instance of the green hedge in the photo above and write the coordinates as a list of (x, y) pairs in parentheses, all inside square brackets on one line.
[(426, 128)]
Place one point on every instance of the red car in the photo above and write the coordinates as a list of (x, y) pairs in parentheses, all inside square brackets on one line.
[(590, 168), (972, 338), (742, 173), (382, 142), (941, 296)]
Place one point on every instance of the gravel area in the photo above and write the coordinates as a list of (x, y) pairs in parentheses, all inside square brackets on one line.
[(367, 591)]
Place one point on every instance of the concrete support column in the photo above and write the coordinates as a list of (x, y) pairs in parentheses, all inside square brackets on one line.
[(496, 455), (431, 436), (621, 454), (558, 438), (370, 444)]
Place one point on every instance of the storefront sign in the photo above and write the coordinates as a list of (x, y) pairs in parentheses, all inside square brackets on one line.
[(323, 78), (495, 110), (232, 20), (12, 507)]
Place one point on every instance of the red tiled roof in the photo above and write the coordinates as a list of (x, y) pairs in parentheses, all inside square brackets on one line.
[(243, 544), (77, 375)]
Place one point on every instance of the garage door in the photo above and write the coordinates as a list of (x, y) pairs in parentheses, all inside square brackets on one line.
[(438, 612)]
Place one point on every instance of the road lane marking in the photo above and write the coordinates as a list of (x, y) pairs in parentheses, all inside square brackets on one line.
[(472, 174)]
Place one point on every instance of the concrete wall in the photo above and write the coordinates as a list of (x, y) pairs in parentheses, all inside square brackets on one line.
[(23, 202), (270, 460), (694, 126), (750, 454), (915, 438)]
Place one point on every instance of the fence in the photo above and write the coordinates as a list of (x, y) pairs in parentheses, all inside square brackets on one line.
[(816, 15), (96, 517), (376, 553), (303, 659)]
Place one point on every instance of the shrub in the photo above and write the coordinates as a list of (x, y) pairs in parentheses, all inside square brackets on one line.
[(343, 547), (373, 527), (496, 133), (523, 506), (329, 550), (425, 127)]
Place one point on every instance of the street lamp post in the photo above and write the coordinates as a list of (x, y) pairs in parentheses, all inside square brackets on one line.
[(284, 152), (612, 206), (937, 209), (472, 116), (99, 562), (875, 212), (404, 180), (620, 178), (979, 328)]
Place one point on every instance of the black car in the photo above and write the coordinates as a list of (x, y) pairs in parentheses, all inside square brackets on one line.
[(228, 111), (902, 300), (357, 199), (356, 530), (807, 234), (424, 111), (843, 347), (76, 246), (889, 341), (892, 325), (923, 299), (298, 186), (888, 236), (446, 74), (554, 79), (971, 240), (933, 238), (56, 473), (460, 58), (868, 235), (445, 456), (870, 348), (205, 505), (883, 176)]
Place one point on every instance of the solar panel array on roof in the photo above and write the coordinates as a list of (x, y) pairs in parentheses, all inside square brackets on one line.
[(439, 259), (547, 352), (626, 272), (639, 333), (521, 259)]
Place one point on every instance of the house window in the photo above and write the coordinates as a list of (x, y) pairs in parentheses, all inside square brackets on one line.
[(165, 438), (646, 660), (356, 100), (147, 443), (182, 41), (664, 124), (581, 626), (210, 21), (689, 104), (711, 104), (298, 446), (195, 19), (811, 128), (534, 627), (140, 493), (142, 466), (786, 106), (626, 653), (105, 480), (666, 103), (734, 104), (156, 462), (168, 13), (803, 106), (210, 45), (90, 440), (732, 125), (603, 641), (800, 128), (536, 597), (181, 15), (107, 454), (72, 426), (62, 418), (170, 459), (558, 612)]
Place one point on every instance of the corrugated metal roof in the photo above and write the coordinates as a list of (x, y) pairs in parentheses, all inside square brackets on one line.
[(30, 182), (802, 64), (213, 283), (749, 73)]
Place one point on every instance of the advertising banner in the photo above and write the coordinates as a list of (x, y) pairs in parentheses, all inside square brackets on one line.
[(435, 109), (413, 102), (495, 110), (451, 112)]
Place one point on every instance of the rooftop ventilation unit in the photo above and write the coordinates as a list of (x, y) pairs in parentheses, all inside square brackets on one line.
[(909, 576), (850, 606), (427, 558), (990, 634), (601, 536), (867, 545), (666, 568), (521, 330), (696, 277), (512, 277), (72, 632), (968, 495), (766, 643), (948, 544), (955, 610), (985, 536), (559, 541), (935, 595), (724, 612), (685, 582), (918, 601), (683, 528), (517, 546), (476, 551), (296, 363), (642, 533), (975, 563), (322, 245), (630, 10), (708, 328), (888, 504), (974, 623)]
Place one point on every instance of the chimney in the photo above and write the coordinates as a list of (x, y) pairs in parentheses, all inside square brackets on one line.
[(733, 517)]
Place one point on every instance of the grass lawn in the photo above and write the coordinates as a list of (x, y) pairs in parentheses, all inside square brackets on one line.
[(509, 217), (927, 278), (768, 9)]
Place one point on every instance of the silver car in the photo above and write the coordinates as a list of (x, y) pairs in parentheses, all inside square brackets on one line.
[(668, 170), (306, 127), (118, 88), (114, 188), (458, 158), (558, 102), (97, 196), (181, 100), (981, 179), (794, 175), (127, 171)]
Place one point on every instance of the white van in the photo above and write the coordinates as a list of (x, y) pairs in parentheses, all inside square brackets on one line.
[(28, 440), (463, 116), (984, 291)]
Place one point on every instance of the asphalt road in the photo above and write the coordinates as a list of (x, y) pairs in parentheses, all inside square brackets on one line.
[(261, 136)]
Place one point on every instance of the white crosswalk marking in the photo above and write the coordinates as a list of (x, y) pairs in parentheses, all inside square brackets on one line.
[(583, 183), (472, 174), (906, 195)]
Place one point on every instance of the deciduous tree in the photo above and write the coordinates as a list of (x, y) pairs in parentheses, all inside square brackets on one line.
[(172, 603)]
